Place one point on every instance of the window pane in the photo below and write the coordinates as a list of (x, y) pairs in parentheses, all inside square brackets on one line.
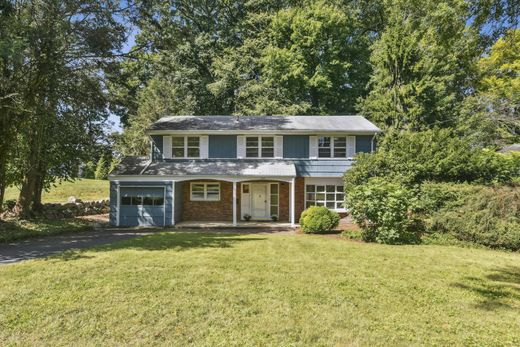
[(339, 189), (330, 204), (126, 200), (324, 142), (252, 152), (213, 196), (311, 188), (178, 152), (158, 201), (340, 142), (267, 152), (340, 197), (339, 205), (331, 189), (148, 200), (274, 199), (193, 153), (274, 210), (193, 142), (213, 188), (274, 188), (197, 187), (251, 141), (245, 188), (320, 188), (340, 152), (267, 141), (311, 196), (320, 196), (324, 152), (197, 196), (178, 141), (318, 203), (309, 204), (137, 200), (330, 197)]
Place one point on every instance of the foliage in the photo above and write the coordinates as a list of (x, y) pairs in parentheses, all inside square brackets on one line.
[(421, 62), (488, 216), (431, 155), (102, 169), (318, 219), (89, 170), (385, 211)]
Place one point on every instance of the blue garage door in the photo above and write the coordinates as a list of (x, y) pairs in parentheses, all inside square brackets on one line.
[(141, 206)]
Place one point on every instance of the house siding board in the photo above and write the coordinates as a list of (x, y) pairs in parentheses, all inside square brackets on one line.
[(113, 204), (296, 146), (222, 146), (157, 147), (178, 203), (363, 143), (322, 168)]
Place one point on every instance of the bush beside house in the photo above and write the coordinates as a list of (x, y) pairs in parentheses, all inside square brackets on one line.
[(318, 219)]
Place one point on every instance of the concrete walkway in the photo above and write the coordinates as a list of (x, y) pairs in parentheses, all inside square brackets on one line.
[(17, 251)]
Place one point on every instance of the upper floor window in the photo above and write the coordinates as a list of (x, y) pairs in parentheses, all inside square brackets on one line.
[(259, 147), (332, 147), (185, 147)]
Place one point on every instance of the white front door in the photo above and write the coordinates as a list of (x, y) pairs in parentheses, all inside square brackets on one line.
[(259, 203)]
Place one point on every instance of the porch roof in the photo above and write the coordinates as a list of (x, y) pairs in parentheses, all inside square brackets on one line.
[(142, 166)]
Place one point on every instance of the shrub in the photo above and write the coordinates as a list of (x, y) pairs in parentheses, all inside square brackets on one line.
[(488, 216), (8, 205), (385, 211), (318, 219), (434, 155)]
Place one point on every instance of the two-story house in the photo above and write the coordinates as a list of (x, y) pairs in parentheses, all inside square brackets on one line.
[(230, 169)]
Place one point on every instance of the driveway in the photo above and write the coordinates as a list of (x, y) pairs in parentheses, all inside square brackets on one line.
[(17, 251)]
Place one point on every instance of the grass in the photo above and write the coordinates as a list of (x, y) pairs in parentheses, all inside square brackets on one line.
[(16, 229), (85, 189), (212, 289)]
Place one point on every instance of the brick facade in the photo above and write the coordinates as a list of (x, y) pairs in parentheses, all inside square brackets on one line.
[(223, 210)]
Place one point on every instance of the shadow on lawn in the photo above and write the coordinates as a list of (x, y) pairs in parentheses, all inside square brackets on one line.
[(178, 241), (496, 289)]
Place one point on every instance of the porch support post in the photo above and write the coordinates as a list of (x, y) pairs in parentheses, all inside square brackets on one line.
[(292, 203), (234, 203)]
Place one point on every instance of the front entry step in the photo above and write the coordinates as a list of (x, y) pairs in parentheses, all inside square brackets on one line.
[(241, 225)]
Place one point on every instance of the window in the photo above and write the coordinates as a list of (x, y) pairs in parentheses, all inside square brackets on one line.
[(259, 147), (332, 147), (140, 200), (185, 147), (275, 198), (331, 196), (205, 191)]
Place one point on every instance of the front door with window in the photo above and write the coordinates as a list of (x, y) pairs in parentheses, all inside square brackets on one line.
[(259, 201)]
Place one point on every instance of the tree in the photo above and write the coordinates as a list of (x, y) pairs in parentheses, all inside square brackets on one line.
[(61, 91), (421, 63)]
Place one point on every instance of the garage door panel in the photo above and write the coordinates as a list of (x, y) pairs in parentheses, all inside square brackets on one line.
[(136, 206)]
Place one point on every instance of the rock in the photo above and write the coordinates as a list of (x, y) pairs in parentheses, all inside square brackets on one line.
[(71, 199)]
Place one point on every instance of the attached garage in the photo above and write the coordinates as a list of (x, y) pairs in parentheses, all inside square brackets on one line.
[(142, 206)]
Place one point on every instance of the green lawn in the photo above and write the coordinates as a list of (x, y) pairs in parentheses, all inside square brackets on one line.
[(17, 229), (85, 189), (222, 290)]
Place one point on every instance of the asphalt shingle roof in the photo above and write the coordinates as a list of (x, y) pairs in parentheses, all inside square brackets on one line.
[(353, 124), (205, 167)]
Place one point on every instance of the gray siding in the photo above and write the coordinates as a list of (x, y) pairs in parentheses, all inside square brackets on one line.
[(113, 204), (296, 146), (364, 143), (178, 202), (222, 146), (157, 147)]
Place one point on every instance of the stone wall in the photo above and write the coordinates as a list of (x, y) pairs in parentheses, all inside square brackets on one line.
[(73, 208)]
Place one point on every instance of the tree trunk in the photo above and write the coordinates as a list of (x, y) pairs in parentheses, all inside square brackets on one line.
[(24, 205), (3, 181)]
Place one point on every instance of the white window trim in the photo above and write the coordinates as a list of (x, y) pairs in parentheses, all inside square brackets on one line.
[(332, 156), (259, 138), (205, 198), (271, 202), (186, 148), (325, 192)]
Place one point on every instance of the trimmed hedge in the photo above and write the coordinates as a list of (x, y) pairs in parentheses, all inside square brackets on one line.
[(318, 219)]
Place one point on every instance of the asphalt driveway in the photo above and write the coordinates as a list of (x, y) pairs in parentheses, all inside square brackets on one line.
[(17, 251)]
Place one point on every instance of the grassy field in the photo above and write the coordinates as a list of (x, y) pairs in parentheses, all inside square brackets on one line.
[(15, 229), (85, 189), (256, 290)]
